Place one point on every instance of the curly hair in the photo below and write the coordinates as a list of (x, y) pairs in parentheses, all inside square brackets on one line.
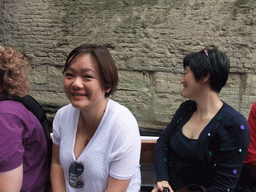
[(14, 73)]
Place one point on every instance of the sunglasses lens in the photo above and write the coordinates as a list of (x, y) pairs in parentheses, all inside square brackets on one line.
[(76, 169), (79, 184), (79, 169), (74, 182)]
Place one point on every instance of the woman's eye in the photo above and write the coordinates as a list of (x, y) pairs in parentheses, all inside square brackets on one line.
[(87, 76), (68, 74)]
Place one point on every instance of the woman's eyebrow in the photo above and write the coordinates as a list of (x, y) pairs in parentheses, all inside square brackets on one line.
[(82, 70)]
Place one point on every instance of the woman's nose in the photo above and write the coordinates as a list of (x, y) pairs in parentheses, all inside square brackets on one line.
[(77, 83), (182, 80)]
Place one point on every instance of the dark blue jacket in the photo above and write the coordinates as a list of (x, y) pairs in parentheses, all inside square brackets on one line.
[(217, 158)]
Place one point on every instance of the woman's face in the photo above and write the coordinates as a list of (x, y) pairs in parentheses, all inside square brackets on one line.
[(82, 82), (191, 87)]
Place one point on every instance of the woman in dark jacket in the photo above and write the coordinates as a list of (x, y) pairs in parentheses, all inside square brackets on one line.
[(207, 140)]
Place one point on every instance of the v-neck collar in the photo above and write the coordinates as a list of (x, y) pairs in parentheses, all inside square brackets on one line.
[(98, 130)]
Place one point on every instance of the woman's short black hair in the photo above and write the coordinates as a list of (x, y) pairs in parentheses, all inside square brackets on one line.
[(212, 62), (108, 70)]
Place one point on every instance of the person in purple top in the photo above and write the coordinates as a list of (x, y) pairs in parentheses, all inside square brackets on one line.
[(23, 147)]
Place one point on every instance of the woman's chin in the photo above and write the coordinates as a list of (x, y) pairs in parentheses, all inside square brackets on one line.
[(183, 95), (78, 103)]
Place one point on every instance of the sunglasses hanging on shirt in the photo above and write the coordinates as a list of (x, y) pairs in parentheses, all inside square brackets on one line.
[(76, 169)]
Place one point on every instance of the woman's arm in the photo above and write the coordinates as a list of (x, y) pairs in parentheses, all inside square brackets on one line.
[(116, 185), (230, 144), (57, 173), (161, 154), (11, 180)]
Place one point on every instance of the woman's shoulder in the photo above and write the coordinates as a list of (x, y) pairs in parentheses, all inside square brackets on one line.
[(15, 111), (120, 113), (188, 103), (232, 126), (12, 107), (122, 122), (187, 106), (232, 122), (65, 113), (118, 109), (228, 113)]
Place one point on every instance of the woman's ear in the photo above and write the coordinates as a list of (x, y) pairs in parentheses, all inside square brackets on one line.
[(107, 90), (206, 78)]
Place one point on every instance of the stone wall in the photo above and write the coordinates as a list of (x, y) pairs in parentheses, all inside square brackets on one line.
[(148, 40)]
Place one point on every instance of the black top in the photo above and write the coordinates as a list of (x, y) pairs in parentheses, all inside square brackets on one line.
[(214, 160)]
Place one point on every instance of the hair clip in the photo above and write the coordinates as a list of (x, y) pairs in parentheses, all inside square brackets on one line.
[(205, 51)]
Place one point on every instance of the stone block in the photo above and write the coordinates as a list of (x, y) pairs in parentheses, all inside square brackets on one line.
[(134, 81), (247, 101), (46, 97), (250, 88), (54, 79), (167, 82), (138, 102), (232, 100), (165, 105), (232, 86), (38, 75), (246, 104)]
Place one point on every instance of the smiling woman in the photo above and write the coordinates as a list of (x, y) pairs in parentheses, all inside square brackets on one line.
[(207, 140), (106, 65), (96, 142), (83, 84)]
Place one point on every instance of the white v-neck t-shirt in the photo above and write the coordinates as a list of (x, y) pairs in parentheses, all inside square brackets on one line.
[(114, 149)]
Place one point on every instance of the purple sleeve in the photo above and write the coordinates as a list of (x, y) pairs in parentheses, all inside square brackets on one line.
[(11, 147)]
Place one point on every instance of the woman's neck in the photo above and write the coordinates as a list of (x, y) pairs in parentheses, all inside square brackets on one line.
[(208, 104), (91, 118)]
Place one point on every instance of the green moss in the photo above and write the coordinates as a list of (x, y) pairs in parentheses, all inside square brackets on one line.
[(134, 84), (238, 3), (144, 2)]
